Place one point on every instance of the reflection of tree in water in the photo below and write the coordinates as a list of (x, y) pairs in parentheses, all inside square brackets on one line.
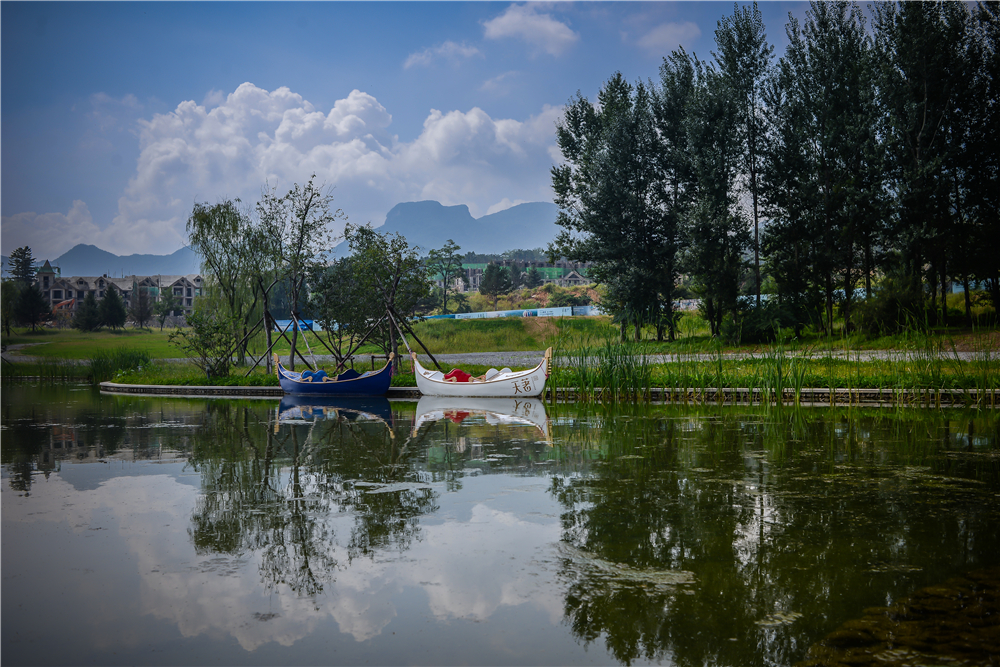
[(275, 491), (696, 538)]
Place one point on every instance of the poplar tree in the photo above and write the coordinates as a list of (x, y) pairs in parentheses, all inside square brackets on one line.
[(744, 58), (446, 263), (613, 206)]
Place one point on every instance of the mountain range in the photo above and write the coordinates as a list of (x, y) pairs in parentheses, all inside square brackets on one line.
[(429, 224), (425, 224)]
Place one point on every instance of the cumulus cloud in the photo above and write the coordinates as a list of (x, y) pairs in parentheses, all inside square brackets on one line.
[(541, 31), (50, 234), (666, 37), (254, 137), (448, 50)]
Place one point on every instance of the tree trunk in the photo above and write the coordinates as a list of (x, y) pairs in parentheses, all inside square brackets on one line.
[(944, 295), (968, 301)]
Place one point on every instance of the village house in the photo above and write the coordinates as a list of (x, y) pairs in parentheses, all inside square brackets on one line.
[(65, 294)]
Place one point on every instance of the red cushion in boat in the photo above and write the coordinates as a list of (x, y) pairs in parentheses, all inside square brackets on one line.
[(458, 375)]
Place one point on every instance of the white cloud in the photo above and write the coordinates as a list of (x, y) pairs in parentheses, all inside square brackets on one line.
[(448, 50), (500, 84), (541, 31), (503, 205), (256, 137), (50, 234), (666, 37)]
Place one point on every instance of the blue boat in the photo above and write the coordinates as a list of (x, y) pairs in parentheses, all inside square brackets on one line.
[(348, 383)]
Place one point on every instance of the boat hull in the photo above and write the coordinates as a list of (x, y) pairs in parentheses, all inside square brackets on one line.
[(374, 384), (523, 384)]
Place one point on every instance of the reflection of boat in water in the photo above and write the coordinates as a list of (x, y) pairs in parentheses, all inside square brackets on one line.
[(496, 411), (304, 408)]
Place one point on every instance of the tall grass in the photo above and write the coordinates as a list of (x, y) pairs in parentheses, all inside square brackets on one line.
[(609, 372), (106, 364)]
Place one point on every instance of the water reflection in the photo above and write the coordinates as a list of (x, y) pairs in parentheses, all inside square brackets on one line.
[(443, 528), (494, 411), (772, 513)]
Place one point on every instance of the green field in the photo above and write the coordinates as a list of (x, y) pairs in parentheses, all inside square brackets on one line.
[(935, 364)]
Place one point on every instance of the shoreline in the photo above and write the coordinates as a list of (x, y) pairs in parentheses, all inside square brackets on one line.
[(811, 396)]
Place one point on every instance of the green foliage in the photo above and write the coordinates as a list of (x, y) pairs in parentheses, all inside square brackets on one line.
[(533, 278), (112, 309), (445, 264), (106, 364), (895, 306), (389, 272), (141, 308), (22, 265), (495, 282), (757, 324), (343, 304), (165, 306), (614, 207), (10, 292), (566, 299), (209, 340), (31, 308)]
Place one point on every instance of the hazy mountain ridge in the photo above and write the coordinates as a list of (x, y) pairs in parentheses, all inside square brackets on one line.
[(425, 224), (429, 224), (89, 260)]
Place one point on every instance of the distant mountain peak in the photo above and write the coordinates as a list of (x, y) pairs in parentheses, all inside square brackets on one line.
[(429, 224)]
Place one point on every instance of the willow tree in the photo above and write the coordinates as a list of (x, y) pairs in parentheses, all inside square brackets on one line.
[(227, 237)]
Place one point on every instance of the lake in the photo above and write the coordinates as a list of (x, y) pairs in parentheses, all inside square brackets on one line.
[(201, 531)]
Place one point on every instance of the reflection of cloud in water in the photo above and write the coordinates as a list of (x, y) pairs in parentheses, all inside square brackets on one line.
[(467, 569)]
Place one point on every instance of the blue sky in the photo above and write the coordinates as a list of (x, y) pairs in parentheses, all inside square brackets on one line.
[(117, 117)]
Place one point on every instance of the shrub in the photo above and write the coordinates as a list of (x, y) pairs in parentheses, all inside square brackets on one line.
[(757, 324), (210, 341), (894, 307)]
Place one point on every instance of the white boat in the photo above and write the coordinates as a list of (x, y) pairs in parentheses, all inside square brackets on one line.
[(493, 384), (494, 411)]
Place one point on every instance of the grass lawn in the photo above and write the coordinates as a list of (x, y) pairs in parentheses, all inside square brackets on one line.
[(60, 352)]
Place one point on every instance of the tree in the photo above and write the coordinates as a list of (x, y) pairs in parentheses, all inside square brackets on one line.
[(209, 340), (141, 308), (744, 58), (32, 307), (165, 307), (112, 309), (613, 205), (495, 282), (446, 265), (717, 235), (822, 176), (10, 291), (237, 259), (295, 226), (920, 49), (532, 278), (88, 314), (22, 265), (389, 269), (343, 304)]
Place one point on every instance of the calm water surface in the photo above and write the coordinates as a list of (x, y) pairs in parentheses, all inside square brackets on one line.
[(182, 531)]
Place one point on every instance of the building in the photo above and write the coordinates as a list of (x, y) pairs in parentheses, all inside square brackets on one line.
[(65, 294)]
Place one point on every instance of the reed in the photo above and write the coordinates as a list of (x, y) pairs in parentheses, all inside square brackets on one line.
[(107, 364), (612, 371)]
